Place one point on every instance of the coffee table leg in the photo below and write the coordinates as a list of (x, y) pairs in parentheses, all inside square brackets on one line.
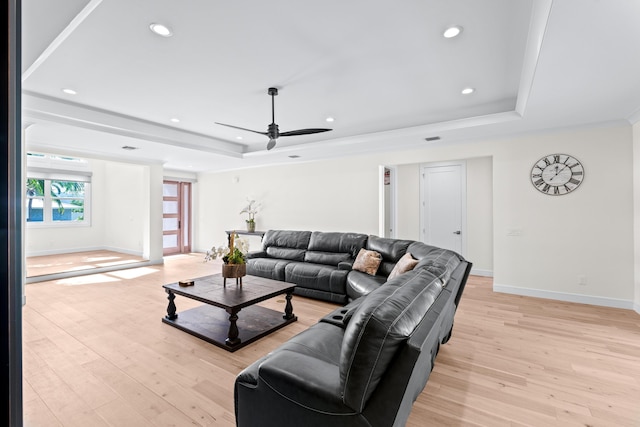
[(171, 308), (288, 309), (232, 336)]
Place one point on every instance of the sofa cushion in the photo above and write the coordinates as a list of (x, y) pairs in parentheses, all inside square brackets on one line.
[(329, 258), (390, 249), (406, 263), (379, 325), (286, 244), (349, 243), (367, 261), (333, 248), (271, 268), (285, 253), (359, 284), (317, 276)]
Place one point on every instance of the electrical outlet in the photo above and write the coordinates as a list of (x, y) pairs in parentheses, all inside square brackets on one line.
[(582, 280), (515, 232)]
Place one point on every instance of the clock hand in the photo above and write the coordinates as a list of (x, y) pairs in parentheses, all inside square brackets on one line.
[(558, 172)]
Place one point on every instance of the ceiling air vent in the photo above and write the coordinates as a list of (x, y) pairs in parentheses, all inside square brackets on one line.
[(432, 138), (294, 156), (129, 147)]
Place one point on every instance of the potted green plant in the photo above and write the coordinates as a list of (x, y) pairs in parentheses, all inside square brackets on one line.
[(251, 209), (234, 261)]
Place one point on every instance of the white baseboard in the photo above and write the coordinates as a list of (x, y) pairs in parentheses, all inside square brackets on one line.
[(636, 307), (481, 272), (87, 249), (76, 273), (565, 296)]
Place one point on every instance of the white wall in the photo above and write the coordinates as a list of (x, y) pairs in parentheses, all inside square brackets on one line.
[(636, 213), (479, 209), (586, 233), (480, 214), (118, 218), (123, 198), (340, 195), (408, 199)]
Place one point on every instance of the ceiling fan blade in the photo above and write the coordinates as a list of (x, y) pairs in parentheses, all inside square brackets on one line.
[(304, 131), (237, 127), (271, 144)]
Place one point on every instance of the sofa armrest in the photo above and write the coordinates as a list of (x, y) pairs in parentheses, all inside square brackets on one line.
[(345, 265), (257, 254), (307, 381)]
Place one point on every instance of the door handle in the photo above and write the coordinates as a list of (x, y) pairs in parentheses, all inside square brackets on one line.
[(457, 232)]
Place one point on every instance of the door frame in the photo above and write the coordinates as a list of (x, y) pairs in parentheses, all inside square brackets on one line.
[(463, 201), (393, 187), (182, 231)]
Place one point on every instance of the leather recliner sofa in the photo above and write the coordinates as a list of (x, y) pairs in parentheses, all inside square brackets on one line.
[(321, 263), (365, 363)]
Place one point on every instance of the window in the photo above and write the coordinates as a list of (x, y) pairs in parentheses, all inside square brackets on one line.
[(56, 201), (57, 196)]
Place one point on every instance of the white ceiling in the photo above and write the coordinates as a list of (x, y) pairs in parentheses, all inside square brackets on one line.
[(381, 69)]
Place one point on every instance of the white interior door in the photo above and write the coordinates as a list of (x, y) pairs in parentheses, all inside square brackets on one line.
[(443, 205)]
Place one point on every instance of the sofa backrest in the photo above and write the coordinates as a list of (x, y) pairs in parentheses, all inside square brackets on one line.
[(332, 248), (390, 249), (440, 262), (377, 328), (286, 244)]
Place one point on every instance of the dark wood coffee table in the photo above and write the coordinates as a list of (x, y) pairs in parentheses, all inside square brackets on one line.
[(225, 328)]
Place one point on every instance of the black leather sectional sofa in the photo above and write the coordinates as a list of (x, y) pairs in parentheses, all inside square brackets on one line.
[(365, 363)]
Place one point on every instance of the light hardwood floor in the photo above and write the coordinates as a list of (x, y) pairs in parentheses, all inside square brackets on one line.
[(77, 262), (96, 353)]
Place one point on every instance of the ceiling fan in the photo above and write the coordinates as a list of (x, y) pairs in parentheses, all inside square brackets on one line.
[(272, 131)]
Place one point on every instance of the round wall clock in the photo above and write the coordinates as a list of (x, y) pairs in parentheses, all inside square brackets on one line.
[(557, 174)]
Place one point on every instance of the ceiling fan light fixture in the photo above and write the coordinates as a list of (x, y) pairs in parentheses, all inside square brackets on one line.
[(452, 32), (273, 131), (160, 29)]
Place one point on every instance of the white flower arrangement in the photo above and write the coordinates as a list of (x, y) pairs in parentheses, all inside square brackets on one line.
[(251, 209), (223, 252)]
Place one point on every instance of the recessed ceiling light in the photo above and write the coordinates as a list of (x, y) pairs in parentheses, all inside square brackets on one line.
[(175, 120), (161, 30), (452, 32), (238, 137), (69, 91), (330, 119), (468, 90)]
